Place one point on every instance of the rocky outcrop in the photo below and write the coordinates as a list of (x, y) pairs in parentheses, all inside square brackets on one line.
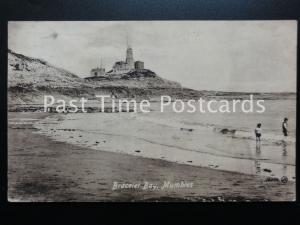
[(29, 79)]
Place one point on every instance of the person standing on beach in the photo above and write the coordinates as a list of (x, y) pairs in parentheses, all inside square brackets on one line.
[(284, 127), (258, 133)]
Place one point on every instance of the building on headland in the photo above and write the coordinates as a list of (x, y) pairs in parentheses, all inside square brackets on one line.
[(129, 58), (139, 65), (124, 66), (98, 72), (119, 67)]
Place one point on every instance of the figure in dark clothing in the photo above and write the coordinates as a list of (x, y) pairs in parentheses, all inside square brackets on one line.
[(257, 132), (285, 127)]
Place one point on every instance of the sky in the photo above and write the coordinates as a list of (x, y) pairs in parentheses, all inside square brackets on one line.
[(252, 56)]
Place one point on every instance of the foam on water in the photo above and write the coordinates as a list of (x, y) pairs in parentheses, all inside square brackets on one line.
[(187, 139)]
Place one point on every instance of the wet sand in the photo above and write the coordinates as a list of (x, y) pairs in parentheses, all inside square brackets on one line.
[(40, 169)]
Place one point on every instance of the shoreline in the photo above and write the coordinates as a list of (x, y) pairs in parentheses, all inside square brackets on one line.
[(48, 170), (133, 135)]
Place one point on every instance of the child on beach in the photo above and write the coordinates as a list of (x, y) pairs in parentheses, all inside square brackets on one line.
[(284, 127), (258, 132)]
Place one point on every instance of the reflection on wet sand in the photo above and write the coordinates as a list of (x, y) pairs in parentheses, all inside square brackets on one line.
[(284, 148)]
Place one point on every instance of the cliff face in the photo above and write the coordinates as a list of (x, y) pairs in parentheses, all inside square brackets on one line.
[(29, 79), (23, 70)]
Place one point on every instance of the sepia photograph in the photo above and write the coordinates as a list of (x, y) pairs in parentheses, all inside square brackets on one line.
[(152, 111)]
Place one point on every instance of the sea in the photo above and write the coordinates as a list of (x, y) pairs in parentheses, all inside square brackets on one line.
[(220, 141)]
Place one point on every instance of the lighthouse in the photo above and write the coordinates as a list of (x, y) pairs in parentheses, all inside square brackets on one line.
[(129, 58), (121, 67)]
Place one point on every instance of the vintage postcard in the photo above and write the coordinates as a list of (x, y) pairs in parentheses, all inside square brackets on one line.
[(147, 111)]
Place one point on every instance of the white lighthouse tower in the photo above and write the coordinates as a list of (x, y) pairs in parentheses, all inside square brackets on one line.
[(129, 57)]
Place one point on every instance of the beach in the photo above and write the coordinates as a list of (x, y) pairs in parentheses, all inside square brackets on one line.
[(178, 113), (47, 168)]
